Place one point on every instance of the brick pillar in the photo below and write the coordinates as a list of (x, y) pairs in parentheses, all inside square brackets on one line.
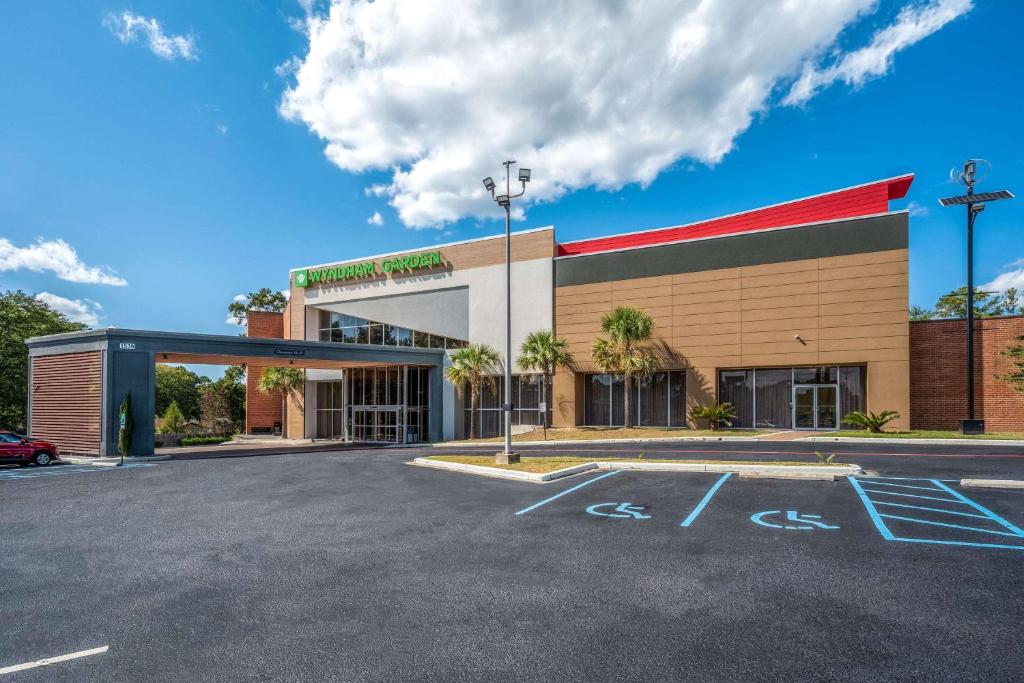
[(262, 410)]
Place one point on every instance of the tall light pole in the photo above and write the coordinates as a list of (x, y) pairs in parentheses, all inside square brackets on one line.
[(505, 200), (975, 204)]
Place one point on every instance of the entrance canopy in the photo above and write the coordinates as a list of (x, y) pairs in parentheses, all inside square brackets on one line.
[(77, 380)]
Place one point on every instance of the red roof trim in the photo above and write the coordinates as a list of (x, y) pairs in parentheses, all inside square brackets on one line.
[(861, 200)]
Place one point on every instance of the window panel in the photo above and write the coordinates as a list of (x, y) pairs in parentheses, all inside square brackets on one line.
[(736, 387), (774, 395)]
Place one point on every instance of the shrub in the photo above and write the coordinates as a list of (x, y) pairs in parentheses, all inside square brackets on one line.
[(203, 440), (873, 422), (825, 459), (716, 414), (173, 421)]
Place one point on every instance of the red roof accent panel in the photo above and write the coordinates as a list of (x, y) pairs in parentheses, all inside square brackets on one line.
[(863, 200)]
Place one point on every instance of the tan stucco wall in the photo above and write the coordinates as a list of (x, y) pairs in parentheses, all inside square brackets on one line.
[(847, 310)]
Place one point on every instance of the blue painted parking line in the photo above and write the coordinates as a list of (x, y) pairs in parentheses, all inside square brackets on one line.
[(58, 470), (705, 500), (567, 491), (873, 497)]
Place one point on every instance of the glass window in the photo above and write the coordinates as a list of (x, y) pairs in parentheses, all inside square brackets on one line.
[(597, 409), (454, 343), (348, 335), (852, 391), (336, 320), (336, 335), (677, 398), (325, 319), (362, 334), (403, 336), (736, 387), (827, 375), (436, 341), (774, 395), (325, 335), (652, 400), (376, 334), (421, 340), (390, 335)]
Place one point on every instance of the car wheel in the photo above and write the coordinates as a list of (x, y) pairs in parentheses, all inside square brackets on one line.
[(42, 458)]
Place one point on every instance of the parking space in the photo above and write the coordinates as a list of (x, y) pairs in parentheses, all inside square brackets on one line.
[(697, 506), (16, 473)]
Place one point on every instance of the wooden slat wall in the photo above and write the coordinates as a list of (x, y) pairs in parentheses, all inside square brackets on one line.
[(66, 401)]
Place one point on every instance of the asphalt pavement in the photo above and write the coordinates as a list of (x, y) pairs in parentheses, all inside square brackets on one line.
[(358, 566)]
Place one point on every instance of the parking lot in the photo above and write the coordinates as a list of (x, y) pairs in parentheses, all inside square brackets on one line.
[(358, 566)]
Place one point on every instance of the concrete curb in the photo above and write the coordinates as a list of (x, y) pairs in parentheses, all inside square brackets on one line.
[(109, 461), (993, 483), (813, 472), (926, 442), (584, 442)]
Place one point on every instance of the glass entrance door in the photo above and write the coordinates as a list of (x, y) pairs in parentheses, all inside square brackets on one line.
[(381, 424), (815, 406)]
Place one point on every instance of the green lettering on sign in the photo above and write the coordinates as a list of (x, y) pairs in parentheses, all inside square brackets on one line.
[(397, 264)]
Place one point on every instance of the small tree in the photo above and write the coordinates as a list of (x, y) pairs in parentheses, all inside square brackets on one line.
[(954, 304), (287, 381), (263, 299), (873, 422), (1015, 377), (216, 409), (543, 351), (173, 421), (716, 414), (473, 366), (126, 426), (1011, 301), (623, 353)]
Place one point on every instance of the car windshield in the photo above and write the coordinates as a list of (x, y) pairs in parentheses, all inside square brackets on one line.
[(10, 438)]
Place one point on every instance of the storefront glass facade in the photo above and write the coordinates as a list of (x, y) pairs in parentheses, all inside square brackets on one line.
[(814, 398), (526, 399), (348, 329), (376, 404), (659, 400)]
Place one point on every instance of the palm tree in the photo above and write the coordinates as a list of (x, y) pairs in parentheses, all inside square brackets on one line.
[(622, 353), (474, 366), (285, 380), (542, 350)]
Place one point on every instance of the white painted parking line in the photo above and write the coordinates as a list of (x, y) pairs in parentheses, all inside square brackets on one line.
[(53, 660)]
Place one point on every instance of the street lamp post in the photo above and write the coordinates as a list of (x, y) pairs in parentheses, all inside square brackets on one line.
[(505, 200), (975, 204)]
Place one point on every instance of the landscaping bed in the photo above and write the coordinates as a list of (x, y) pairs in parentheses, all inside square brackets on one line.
[(593, 433), (545, 464), (924, 434)]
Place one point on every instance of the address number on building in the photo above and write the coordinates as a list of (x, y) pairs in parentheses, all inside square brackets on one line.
[(126, 346)]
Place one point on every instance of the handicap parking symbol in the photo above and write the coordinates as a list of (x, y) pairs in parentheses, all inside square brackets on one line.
[(802, 522), (621, 511)]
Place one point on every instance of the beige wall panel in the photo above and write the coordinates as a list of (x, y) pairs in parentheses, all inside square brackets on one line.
[(791, 313), (592, 298), (692, 321), (644, 283), (779, 268), (706, 275), (853, 295), (589, 307), (864, 343), (787, 336), (704, 299), (777, 303), (697, 288), (859, 331), (770, 359), (869, 306), (728, 346), (691, 307), (848, 284), (874, 270), (576, 290), (755, 281), (780, 291), (863, 356), (865, 319), (863, 259), (792, 325), (697, 330), (642, 301), (889, 389)]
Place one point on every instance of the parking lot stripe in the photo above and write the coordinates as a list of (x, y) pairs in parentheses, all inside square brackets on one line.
[(911, 495), (995, 518), (53, 660), (872, 512), (951, 526), (967, 543), (705, 500), (920, 507), (904, 486), (567, 491)]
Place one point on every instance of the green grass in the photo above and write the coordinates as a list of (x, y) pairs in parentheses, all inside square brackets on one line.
[(204, 440), (542, 465), (591, 433), (927, 434)]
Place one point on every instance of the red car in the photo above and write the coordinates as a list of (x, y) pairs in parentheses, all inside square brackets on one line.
[(15, 448)]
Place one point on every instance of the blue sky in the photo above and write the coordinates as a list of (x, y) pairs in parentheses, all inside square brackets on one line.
[(169, 178)]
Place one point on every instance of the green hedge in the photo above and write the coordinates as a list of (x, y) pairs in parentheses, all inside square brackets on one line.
[(204, 440)]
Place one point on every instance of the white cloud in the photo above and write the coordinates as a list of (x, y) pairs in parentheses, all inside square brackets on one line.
[(77, 310), (914, 23), (58, 257), (222, 129), (439, 93), (1012, 276), (375, 219), (129, 27), (916, 210)]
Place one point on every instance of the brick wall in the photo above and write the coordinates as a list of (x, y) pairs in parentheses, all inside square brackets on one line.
[(262, 410), (938, 359)]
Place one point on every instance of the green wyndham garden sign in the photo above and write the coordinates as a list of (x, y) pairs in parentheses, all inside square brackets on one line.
[(355, 271)]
